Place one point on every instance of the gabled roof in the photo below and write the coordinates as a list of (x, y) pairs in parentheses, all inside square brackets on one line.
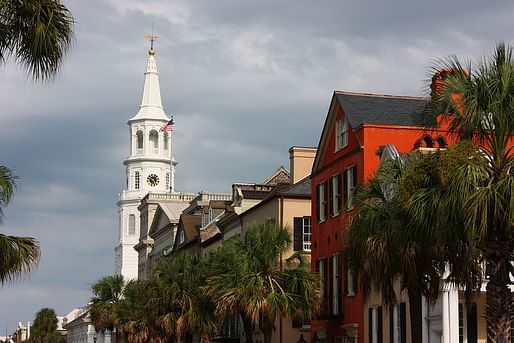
[(362, 108), (281, 175), (365, 108), (301, 189)]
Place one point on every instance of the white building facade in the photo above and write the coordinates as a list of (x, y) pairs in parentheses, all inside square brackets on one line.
[(148, 168)]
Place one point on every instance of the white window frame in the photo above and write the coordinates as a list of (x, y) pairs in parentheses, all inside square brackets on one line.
[(131, 225), (322, 200), (306, 233), (335, 198), (341, 134), (350, 282), (335, 282), (350, 186)]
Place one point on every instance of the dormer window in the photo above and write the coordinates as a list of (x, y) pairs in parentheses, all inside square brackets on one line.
[(341, 134)]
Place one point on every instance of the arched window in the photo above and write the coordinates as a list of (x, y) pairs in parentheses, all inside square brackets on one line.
[(132, 225), (154, 141), (441, 142), (136, 180), (424, 141), (139, 141), (167, 181), (166, 140), (181, 237)]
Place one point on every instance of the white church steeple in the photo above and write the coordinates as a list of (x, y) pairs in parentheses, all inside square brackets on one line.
[(149, 167), (151, 105)]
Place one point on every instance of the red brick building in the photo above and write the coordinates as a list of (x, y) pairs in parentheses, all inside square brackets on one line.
[(358, 130)]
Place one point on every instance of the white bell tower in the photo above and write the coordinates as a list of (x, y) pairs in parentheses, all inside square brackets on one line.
[(148, 167)]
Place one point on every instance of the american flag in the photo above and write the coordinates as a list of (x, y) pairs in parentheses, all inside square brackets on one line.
[(169, 126)]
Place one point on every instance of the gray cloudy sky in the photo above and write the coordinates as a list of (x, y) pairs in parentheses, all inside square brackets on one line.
[(245, 80)]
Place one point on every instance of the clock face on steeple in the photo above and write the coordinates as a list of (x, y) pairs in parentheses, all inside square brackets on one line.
[(152, 180)]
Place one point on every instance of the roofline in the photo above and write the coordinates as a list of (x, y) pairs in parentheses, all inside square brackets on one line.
[(378, 95), (277, 195)]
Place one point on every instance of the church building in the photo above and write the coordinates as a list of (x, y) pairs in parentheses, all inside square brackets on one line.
[(149, 167)]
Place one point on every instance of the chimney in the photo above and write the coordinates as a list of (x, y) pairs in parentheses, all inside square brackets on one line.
[(441, 75), (300, 162)]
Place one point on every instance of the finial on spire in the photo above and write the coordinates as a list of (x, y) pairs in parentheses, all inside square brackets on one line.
[(152, 38)]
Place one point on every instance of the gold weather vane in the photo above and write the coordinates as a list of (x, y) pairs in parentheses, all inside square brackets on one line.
[(152, 38)]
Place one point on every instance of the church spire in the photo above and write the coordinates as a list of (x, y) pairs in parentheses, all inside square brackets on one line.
[(151, 105)]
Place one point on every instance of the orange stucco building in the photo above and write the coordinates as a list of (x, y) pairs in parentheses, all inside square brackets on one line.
[(359, 129)]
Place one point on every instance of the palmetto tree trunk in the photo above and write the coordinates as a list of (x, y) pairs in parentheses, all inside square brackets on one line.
[(416, 315), (499, 304)]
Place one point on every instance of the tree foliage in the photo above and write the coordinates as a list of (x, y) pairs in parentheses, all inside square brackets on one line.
[(394, 238), (44, 328), (36, 33), (18, 255), (477, 102), (248, 278)]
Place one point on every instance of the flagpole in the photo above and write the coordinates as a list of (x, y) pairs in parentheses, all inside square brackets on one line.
[(172, 173)]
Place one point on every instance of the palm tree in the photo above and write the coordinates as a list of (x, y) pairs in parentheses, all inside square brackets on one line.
[(136, 319), (108, 293), (388, 244), (44, 328), (477, 103), (251, 281), (178, 301), (18, 255), (36, 33)]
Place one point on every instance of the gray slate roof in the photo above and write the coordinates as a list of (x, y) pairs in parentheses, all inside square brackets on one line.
[(363, 108)]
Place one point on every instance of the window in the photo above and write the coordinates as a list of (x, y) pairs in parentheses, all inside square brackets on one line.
[(302, 233), (350, 181), (341, 134), (335, 195), (181, 237), (139, 141), (132, 225), (154, 141), (166, 138), (351, 282), (167, 181), (398, 323), (375, 327), (321, 202), (136, 180), (468, 323), (335, 284)]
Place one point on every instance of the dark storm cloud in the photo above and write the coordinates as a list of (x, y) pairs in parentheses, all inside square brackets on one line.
[(245, 80)]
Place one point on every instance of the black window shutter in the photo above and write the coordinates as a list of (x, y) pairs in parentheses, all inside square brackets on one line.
[(330, 196), (340, 198), (354, 175), (298, 234), (297, 323), (345, 188), (326, 200), (339, 293), (370, 324), (472, 323), (329, 284), (380, 332), (403, 323), (318, 217)]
